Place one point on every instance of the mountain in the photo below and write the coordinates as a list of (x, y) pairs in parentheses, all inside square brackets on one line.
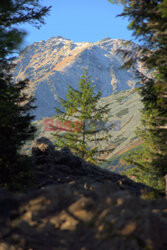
[(54, 64)]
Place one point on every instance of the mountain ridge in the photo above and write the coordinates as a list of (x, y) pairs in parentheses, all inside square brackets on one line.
[(54, 64)]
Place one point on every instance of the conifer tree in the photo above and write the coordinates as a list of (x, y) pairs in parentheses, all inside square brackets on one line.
[(83, 122), (12, 14), (15, 129), (15, 105), (148, 20)]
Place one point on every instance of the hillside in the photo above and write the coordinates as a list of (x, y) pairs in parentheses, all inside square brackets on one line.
[(124, 114), (54, 64), (75, 205)]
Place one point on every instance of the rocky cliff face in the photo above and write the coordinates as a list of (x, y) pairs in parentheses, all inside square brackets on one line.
[(79, 206), (54, 64)]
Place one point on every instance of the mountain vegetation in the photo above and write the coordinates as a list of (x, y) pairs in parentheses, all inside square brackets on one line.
[(85, 123), (15, 104), (148, 21), (74, 204), (122, 127)]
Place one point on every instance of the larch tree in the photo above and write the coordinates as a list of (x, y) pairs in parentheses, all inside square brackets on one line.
[(83, 123)]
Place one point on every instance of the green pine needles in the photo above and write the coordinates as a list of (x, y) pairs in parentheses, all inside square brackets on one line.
[(83, 123), (148, 21), (15, 105)]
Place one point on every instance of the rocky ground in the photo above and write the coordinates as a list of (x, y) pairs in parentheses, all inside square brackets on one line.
[(75, 205)]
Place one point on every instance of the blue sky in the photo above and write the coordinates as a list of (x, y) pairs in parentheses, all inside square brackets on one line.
[(80, 20)]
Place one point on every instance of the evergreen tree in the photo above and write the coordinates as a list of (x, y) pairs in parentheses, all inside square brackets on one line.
[(15, 105), (83, 123), (148, 20), (15, 129), (12, 14)]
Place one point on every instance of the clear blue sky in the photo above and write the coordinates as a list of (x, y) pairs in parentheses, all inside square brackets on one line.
[(80, 20)]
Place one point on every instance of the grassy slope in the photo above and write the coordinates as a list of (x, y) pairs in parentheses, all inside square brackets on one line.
[(125, 114), (115, 162)]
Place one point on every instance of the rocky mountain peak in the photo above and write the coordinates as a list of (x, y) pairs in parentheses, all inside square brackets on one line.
[(54, 64)]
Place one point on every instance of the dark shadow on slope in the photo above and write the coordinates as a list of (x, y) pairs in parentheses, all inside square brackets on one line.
[(58, 167)]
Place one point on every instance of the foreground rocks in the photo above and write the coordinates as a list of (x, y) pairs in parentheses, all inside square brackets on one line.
[(59, 167), (91, 209)]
